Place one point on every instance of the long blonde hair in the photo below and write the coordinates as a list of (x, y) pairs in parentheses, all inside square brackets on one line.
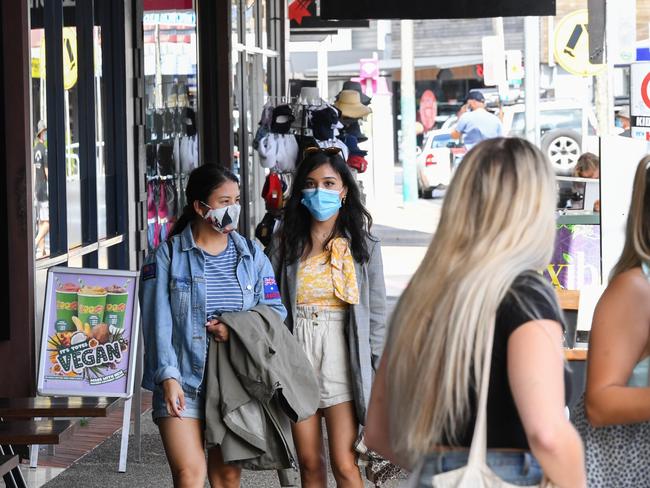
[(497, 222), (637, 233)]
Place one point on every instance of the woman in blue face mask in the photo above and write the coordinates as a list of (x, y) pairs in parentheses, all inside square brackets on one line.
[(205, 268), (331, 281)]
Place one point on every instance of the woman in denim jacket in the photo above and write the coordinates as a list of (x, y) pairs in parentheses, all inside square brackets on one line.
[(204, 269)]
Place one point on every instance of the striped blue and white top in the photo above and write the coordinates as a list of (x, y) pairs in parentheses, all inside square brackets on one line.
[(223, 293)]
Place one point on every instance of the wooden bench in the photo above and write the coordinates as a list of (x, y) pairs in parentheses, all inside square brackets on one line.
[(22, 419), (21, 408)]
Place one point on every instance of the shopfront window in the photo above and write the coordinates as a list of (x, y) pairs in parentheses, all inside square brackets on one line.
[(171, 132), (39, 152)]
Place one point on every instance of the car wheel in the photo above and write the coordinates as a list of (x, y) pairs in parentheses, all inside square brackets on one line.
[(563, 148)]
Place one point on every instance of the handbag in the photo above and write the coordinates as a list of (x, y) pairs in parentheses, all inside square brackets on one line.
[(476, 473), (378, 470)]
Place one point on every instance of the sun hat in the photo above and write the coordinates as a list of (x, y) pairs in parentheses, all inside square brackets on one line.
[(356, 86), (40, 127), (624, 112), (349, 103)]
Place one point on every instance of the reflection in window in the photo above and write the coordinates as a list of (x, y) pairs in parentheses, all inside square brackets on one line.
[(39, 153), (171, 135)]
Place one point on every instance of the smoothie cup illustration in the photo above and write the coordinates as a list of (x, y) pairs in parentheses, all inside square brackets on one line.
[(116, 302), (92, 303), (66, 307)]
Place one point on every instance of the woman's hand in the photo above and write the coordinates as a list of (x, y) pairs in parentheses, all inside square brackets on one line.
[(218, 330), (174, 397)]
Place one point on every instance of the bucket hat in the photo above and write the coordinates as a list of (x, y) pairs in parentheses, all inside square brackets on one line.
[(349, 103), (353, 146)]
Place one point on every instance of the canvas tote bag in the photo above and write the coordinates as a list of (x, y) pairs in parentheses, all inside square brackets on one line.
[(477, 473)]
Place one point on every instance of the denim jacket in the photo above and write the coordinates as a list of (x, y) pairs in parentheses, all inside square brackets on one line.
[(173, 304)]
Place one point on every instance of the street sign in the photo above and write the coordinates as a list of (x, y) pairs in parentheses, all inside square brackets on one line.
[(494, 61), (640, 100), (571, 45)]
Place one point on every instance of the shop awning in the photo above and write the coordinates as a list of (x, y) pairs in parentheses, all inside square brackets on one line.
[(414, 9)]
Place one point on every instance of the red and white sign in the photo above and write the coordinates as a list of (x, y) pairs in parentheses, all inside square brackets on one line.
[(640, 100), (428, 110)]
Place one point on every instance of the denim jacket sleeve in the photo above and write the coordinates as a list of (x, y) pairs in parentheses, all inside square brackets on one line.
[(267, 286), (377, 296), (161, 362)]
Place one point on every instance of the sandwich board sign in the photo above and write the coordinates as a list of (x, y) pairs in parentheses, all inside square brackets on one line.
[(89, 340)]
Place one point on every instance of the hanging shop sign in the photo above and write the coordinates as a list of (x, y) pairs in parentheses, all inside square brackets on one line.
[(514, 65), (305, 14), (494, 61), (413, 9), (571, 45), (640, 100), (90, 333)]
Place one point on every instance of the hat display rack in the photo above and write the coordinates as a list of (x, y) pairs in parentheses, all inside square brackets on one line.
[(289, 125), (171, 143)]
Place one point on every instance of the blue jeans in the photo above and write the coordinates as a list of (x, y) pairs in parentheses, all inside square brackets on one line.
[(517, 468)]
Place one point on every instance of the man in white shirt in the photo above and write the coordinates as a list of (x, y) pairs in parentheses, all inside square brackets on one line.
[(477, 124)]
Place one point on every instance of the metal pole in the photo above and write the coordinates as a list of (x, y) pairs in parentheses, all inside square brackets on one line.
[(323, 80), (531, 79), (407, 102)]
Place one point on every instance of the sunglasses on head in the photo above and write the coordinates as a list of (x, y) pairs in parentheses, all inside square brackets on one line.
[(326, 150)]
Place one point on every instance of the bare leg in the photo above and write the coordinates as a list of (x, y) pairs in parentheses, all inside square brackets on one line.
[(43, 229), (308, 437), (222, 475), (342, 429), (183, 441)]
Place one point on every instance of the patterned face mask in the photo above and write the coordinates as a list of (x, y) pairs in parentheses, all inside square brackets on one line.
[(223, 219)]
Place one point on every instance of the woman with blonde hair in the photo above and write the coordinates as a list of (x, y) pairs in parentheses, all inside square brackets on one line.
[(615, 418), (478, 280)]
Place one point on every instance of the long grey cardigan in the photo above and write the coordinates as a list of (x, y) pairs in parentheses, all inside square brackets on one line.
[(366, 321)]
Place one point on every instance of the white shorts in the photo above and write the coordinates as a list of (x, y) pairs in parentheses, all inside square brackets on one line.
[(321, 332)]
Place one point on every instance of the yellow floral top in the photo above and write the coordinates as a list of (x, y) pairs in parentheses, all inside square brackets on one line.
[(328, 279)]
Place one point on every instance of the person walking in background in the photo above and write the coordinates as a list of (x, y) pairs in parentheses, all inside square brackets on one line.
[(205, 268), (614, 417), (476, 124), (41, 189), (478, 280), (331, 279), (588, 166), (623, 117)]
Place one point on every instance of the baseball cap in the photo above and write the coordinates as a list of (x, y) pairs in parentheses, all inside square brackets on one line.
[(475, 95)]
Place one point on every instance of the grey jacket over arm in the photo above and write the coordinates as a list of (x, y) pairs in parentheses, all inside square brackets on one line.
[(366, 325)]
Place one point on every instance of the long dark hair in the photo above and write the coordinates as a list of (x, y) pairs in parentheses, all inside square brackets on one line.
[(353, 221), (201, 183)]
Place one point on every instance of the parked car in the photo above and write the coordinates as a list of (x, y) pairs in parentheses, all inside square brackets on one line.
[(436, 161), (562, 125)]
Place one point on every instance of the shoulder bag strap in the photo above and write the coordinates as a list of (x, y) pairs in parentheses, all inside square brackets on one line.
[(478, 449)]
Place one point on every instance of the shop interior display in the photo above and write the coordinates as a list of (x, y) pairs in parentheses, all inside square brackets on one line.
[(172, 153), (288, 126)]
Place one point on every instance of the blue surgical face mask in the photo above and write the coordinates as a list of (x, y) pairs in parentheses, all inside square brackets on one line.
[(321, 203)]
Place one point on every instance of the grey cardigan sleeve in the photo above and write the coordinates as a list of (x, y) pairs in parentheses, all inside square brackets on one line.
[(377, 297)]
